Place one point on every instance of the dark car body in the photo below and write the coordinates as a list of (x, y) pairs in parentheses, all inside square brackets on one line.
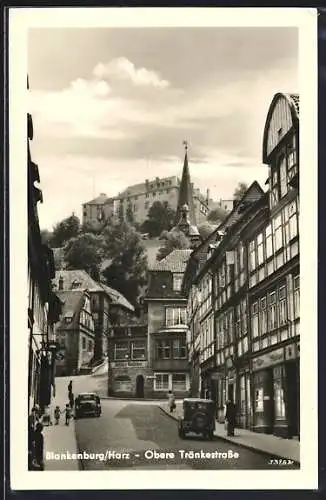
[(87, 404), (198, 417)]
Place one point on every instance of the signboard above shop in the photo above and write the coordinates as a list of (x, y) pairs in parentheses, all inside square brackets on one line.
[(270, 359)]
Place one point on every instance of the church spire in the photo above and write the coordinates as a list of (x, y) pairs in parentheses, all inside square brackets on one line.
[(186, 193), (185, 216)]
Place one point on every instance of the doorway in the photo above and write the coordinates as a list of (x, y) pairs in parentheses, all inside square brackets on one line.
[(139, 386), (231, 392), (293, 398)]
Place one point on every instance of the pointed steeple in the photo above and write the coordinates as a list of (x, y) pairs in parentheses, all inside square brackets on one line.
[(185, 220), (186, 193)]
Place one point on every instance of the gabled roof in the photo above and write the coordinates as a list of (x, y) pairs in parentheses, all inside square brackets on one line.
[(175, 262), (72, 303), (117, 297), (81, 280)]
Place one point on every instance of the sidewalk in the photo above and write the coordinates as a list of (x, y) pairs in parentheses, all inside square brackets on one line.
[(60, 438), (265, 443)]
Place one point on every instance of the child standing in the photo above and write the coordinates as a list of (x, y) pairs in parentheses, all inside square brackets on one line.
[(68, 413), (57, 413)]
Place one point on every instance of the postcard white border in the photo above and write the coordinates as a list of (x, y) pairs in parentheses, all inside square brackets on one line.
[(20, 21)]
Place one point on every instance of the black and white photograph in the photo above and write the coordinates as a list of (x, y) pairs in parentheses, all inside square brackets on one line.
[(160, 249)]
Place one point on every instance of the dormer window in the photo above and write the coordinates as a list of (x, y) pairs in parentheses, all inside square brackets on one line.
[(177, 282)]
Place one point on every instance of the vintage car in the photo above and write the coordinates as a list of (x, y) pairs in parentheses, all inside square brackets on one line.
[(198, 418), (87, 404)]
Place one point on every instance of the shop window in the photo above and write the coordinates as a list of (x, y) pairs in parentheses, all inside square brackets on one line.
[(179, 382), (138, 349), (296, 288), (121, 350), (161, 382), (243, 394), (163, 349), (179, 348), (259, 400), (279, 404)]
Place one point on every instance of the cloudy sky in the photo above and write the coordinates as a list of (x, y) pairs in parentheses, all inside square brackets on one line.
[(111, 107)]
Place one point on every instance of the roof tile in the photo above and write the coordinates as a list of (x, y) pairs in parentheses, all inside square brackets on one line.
[(175, 262)]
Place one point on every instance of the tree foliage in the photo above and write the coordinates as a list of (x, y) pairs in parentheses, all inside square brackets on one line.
[(175, 239), (160, 218), (206, 229), (85, 251), (240, 190), (217, 215), (64, 230), (130, 214), (128, 261)]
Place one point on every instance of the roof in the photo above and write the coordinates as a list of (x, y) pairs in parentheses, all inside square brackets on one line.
[(295, 101), (72, 302), (175, 262), (117, 297), (82, 281), (100, 200), (141, 187)]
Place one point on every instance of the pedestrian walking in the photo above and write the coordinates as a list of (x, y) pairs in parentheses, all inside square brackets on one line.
[(230, 416), (171, 401), (71, 400), (38, 461), (70, 386), (57, 413), (46, 419), (68, 413)]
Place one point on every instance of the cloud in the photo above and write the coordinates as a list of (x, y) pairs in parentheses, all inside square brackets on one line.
[(123, 69)]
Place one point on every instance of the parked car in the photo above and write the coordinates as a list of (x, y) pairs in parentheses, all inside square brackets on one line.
[(87, 404), (198, 418)]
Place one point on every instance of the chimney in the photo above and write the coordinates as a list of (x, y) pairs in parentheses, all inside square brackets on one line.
[(61, 283), (207, 196)]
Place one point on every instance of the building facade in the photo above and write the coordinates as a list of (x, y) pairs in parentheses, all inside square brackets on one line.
[(75, 333), (106, 306), (139, 198), (44, 307), (250, 283)]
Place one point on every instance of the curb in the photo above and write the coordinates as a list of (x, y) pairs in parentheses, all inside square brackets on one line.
[(131, 399), (246, 446)]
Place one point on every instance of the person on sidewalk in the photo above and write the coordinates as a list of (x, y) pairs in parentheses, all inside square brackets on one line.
[(38, 462), (68, 413), (57, 413), (230, 417), (71, 400), (70, 387), (171, 401)]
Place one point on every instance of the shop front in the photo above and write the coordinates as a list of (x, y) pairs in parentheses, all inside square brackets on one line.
[(276, 392), (244, 406)]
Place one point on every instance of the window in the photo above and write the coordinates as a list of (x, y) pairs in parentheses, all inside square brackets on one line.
[(293, 220), (161, 382), (179, 382), (85, 213), (163, 349), (283, 177), (84, 343), (282, 306), (90, 346), (254, 320), (278, 237), (296, 287), (177, 281), (260, 249), (259, 400), (263, 316), (272, 317), (154, 194), (279, 404), (269, 241), (252, 255), (274, 188), (175, 316), (146, 204), (138, 349), (244, 316), (121, 350), (179, 348)]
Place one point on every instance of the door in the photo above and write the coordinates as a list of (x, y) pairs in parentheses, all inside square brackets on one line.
[(293, 397), (139, 386)]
